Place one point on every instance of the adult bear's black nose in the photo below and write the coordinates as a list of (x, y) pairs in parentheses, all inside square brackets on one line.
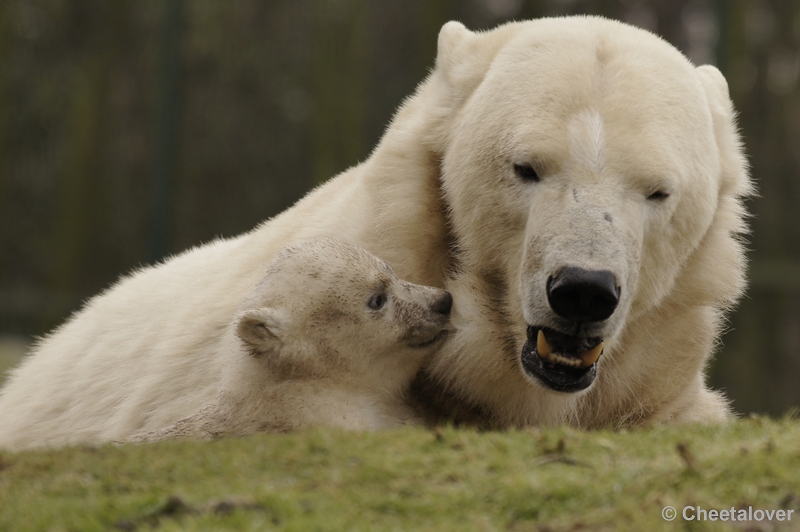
[(583, 295), (443, 304)]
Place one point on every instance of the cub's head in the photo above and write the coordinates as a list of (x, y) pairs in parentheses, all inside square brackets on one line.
[(593, 174), (326, 308)]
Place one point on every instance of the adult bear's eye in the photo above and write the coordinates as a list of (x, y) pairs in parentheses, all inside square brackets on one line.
[(526, 172), (377, 301), (658, 195)]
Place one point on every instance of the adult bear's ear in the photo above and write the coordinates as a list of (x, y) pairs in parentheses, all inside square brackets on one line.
[(462, 59), (463, 56), (262, 330), (454, 41), (735, 181), (715, 273)]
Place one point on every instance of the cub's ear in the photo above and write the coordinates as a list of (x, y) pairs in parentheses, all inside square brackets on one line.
[(262, 330)]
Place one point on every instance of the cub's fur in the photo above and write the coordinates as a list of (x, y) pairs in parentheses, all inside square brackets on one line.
[(330, 337)]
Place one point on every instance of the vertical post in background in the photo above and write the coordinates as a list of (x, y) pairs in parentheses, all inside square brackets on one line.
[(82, 187), (340, 53), (433, 15), (9, 262), (5, 38), (721, 51), (168, 119)]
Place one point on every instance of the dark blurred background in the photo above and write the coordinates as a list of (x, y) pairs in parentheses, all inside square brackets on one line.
[(133, 129)]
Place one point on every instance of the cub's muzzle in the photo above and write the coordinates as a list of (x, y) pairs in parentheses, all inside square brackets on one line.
[(434, 327)]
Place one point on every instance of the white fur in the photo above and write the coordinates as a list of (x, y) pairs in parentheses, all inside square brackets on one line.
[(446, 165), (304, 349), (587, 140), (307, 350), (607, 115)]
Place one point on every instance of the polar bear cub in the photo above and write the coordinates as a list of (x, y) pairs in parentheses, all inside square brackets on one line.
[(331, 336)]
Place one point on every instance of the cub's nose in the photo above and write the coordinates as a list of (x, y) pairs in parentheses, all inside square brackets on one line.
[(583, 295), (443, 304)]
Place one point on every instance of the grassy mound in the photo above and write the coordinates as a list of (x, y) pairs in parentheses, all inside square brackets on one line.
[(412, 479)]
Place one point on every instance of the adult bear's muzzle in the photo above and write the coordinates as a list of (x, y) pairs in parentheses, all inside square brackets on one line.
[(583, 295), (568, 362), (561, 362)]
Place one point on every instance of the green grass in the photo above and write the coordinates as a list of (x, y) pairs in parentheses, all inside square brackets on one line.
[(409, 479)]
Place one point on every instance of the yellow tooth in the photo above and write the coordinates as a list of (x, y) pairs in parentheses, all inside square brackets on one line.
[(543, 346), (590, 356)]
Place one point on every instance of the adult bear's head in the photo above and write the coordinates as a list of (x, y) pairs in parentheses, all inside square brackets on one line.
[(591, 170)]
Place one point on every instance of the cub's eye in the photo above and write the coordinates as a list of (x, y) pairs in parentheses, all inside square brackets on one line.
[(377, 301), (658, 195), (526, 172)]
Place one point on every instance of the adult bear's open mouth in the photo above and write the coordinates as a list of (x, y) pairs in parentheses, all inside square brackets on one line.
[(561, 362)]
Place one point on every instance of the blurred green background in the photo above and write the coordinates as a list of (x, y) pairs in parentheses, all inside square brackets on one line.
[(133, 129)]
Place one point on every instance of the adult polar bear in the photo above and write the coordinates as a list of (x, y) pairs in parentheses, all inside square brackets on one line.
[(574, 176)]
